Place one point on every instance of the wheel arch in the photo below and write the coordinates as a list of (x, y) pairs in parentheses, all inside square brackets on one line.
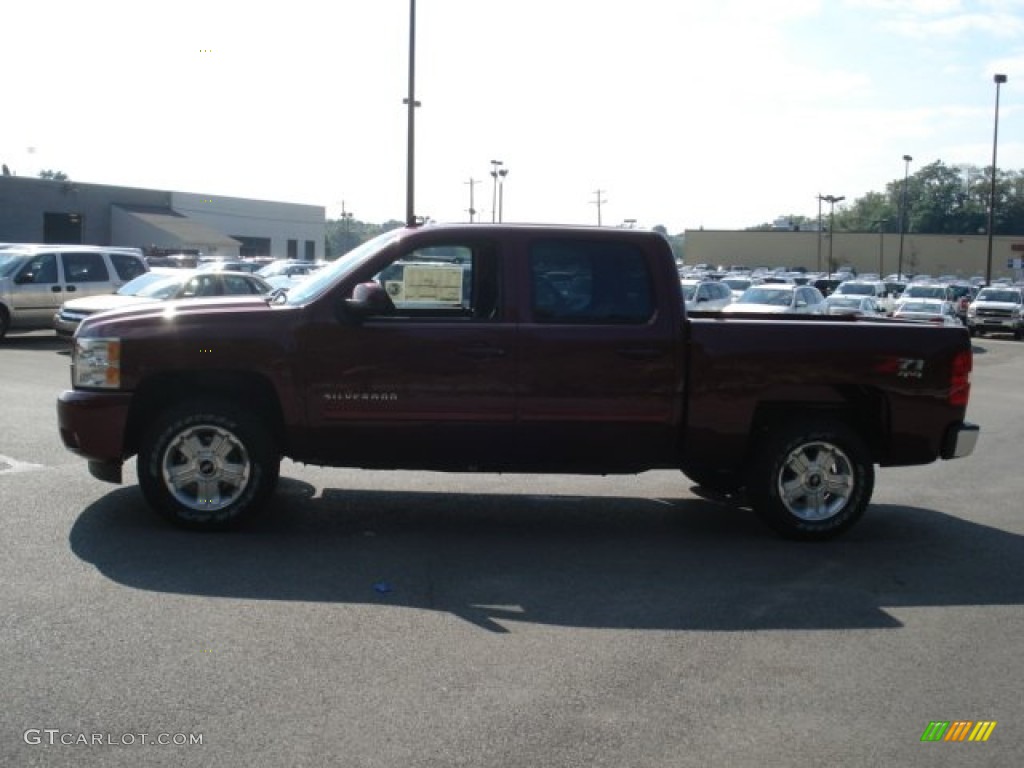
[(251, 391), (864, 410)]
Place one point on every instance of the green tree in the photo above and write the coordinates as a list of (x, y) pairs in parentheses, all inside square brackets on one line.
[(941, 199)]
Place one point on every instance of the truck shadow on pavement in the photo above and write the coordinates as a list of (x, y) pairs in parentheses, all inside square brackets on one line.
[(499, 560)]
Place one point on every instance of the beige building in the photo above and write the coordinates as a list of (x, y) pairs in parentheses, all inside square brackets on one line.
[(961, 255)]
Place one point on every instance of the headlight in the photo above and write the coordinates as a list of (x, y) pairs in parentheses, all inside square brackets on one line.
[(96, 363)]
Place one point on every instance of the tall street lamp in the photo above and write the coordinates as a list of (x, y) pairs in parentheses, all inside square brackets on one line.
[(880, 223), (998, 80), (903, 214), (501, 193), (410, 101), (831, 200), (472, 204), (820, 198), (495, 173)]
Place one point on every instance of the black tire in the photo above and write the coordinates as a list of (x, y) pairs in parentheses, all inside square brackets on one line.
[(207, 465), (5, 321), (811, 480)]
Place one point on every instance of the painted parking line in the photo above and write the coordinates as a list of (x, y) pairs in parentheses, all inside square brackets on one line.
[(9, 466)]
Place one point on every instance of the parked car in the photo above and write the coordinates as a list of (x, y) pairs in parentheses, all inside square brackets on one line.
[(961, 294), (780, 299), (180, 285), (861, 306), (737, 284), (289, 268), (229, 265), (705, 295), (36, 279), (997, 310), (935, 311), (936, 291)]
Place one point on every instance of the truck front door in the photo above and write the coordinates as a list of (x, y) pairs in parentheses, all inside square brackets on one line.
[(428, 381)]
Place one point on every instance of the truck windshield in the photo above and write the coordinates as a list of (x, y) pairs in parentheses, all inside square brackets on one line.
[(315, 284)]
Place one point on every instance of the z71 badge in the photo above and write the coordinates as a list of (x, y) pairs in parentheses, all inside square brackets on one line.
[(910, 368), (903, 367)]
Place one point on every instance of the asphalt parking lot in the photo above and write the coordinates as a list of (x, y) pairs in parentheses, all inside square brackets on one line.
[(422, 619)]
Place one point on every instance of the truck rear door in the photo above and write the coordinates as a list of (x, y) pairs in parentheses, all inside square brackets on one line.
[(599, 367)]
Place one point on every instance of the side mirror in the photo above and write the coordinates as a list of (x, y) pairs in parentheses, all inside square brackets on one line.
[(370, 299)]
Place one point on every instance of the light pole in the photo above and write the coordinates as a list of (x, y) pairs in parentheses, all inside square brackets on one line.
[(495, 165), (831, 200), (501, 193), (599, 200), (881, 247), (998, 80), (472, 205), (346, 222), (410, 216), (820, 198), (903, 214)]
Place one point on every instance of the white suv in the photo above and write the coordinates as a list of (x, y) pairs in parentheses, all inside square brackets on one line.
[(999, 309), (36, 279)]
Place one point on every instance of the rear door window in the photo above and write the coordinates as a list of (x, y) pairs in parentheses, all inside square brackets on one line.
[(85, 268), (590, 282)]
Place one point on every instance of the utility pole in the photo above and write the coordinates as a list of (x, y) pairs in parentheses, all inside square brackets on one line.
[(599, 200), (472, 206)]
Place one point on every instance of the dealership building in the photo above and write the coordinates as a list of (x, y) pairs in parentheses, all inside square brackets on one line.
[(158, 221)]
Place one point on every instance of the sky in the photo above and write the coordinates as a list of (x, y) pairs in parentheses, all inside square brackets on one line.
[(718, 114)]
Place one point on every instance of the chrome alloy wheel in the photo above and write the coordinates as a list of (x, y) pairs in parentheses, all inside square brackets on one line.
[(816, 481), (205, 468)]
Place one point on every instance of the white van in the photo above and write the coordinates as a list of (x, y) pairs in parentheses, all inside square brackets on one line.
[(36, 279)]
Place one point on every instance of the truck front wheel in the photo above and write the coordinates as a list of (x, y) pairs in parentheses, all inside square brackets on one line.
[(207, 465), (811, 480)]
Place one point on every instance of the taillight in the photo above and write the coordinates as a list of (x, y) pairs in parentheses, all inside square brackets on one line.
[(960, 378)]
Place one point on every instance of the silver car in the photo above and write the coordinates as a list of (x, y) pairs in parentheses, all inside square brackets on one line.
[(705, 295), (181, 285), (36, 279), (779, 299)]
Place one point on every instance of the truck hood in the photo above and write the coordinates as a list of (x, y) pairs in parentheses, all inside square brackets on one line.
[(180, 313)]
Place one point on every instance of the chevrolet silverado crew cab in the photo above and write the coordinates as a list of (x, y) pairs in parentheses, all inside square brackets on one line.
[(510, 348)]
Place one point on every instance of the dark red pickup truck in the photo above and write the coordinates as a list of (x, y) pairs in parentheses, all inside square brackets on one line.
[(510, 348)]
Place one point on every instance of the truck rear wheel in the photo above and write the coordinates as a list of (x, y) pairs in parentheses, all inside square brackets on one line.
[(207, 465), (811, 480)]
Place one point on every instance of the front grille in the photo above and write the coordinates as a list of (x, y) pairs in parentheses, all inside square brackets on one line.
[(991, 312)]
